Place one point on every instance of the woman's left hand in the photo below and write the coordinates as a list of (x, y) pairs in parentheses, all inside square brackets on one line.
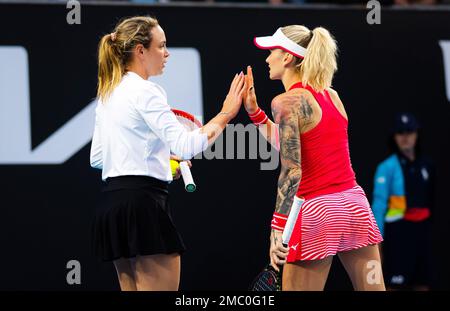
[(250, 102), (178, 171)]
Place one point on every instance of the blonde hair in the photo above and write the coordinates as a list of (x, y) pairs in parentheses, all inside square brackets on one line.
[(319, 64), (115, 51)]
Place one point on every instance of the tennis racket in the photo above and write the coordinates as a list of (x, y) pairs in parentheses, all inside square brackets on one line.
[(269, 279), (190, 123)]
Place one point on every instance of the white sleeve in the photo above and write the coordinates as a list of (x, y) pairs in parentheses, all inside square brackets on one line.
[(96, 146), (158, 116)]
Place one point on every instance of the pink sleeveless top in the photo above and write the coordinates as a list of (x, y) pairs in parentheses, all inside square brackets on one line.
[(325, 155)]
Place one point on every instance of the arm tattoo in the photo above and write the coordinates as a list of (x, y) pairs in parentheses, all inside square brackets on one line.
[(273, 237), (306, 112), (290, 174)]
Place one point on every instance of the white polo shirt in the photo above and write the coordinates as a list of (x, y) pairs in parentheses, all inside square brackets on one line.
[(135, 132)]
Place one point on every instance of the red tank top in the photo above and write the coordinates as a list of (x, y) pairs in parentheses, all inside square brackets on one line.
[(325, 155)]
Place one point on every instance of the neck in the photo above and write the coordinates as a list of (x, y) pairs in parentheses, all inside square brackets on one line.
[(289, 78), (409, 153), (138, 70)]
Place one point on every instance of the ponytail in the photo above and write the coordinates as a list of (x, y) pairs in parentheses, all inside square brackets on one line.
[(110, 67), (319, 65)]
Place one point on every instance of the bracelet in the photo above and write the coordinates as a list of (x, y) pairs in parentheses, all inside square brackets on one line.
[(259, 117), (278, 221)]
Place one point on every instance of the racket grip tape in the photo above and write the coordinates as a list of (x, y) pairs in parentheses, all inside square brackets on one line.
[(292, 219), (189, 184)]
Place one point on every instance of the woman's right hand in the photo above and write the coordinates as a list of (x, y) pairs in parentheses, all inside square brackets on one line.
[(277, 252), (250, 102), (233, 101)]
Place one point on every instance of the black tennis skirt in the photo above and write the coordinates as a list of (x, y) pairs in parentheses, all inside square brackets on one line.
[(134, 219)]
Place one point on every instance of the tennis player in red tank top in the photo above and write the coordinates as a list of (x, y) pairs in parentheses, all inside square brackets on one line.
[(310, 130)]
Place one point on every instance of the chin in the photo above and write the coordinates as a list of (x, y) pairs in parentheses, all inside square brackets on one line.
[(158, 73), (272, 77)]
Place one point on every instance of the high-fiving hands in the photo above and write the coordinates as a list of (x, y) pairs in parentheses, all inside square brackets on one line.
[(250, 102)]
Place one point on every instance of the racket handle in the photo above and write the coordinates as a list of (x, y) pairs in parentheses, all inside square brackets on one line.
[(292, 219), (189, 184)]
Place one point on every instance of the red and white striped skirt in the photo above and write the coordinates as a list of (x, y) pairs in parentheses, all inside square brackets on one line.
[(333, 223)]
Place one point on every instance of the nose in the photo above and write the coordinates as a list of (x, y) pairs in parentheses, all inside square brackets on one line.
[(267, 59), (167, 53)]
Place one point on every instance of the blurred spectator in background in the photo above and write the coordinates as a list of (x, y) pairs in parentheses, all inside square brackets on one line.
[(402, 203), (343, 2), (364, 2), (407, 2), (275, 2)]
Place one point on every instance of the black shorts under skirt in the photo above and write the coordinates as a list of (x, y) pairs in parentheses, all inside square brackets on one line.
[(134, 219), (407, 254)]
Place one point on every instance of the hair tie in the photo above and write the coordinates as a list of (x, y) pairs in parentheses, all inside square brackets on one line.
[(113, 36)]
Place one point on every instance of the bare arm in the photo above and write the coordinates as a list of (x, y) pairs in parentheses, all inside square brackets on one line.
[(292, 113), (290, 156), (287, 115), (229, 110)]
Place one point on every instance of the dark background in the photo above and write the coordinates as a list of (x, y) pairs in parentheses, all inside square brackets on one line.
[(46, 209)]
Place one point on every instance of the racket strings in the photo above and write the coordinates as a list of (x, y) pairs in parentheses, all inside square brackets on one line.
[(187, 124), (267, 281)]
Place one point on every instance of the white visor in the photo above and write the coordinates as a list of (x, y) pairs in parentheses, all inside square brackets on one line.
[(279, 41)]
